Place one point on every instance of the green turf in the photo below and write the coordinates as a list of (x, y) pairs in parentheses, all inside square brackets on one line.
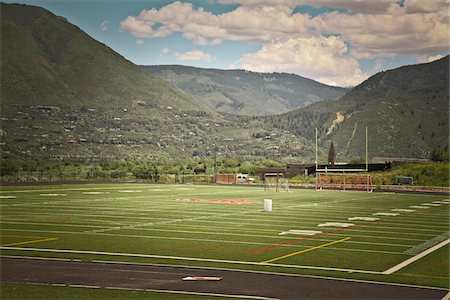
[(34, 291), (157, 224)]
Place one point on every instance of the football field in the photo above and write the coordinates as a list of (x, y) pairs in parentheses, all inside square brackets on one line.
[(381, 237)]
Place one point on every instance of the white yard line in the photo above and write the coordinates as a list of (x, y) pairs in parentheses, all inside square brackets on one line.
[(228, 230), (215, 233), (197, 240), (415, 258), (256, 217)]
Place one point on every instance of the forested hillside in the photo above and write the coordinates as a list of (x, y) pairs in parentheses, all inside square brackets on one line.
[(247, 93)]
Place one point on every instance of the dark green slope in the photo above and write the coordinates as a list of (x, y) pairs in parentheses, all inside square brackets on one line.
[(406, 111), (247, 93), (65, 96), (45, 60)]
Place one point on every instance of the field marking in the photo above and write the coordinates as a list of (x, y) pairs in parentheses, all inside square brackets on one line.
[(77, 200), (425, 245), (415, 258), (216, 233), (121, 254), (79, 212), (170, 221), (150, 290), (230, 231), (234, 270), (29, 242), (195, 239), (304, 251), (312, 237)]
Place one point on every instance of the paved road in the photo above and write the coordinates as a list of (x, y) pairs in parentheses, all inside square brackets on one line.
[(170, 278)]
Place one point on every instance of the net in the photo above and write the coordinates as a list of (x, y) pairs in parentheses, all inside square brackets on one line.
[(276, 182), (344, 182)]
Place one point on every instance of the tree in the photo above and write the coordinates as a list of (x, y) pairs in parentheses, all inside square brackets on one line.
[(440, 153)]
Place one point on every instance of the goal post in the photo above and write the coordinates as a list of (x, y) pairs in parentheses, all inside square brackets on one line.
[(276, 182), (344, 182)]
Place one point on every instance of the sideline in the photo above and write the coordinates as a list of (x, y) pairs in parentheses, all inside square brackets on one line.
[(415, 258), (187, 259)]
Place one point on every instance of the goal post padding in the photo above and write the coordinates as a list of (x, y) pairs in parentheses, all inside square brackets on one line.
[(344, 182)]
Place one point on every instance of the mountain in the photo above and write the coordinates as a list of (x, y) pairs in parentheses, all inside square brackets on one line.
[(48, 61), (247, 93), (65, 96), (406, 111)]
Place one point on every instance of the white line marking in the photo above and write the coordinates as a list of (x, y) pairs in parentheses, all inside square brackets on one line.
[(446, 297), (217, 241), (254, 263), (427, 244), (301, 232), (335, 224), (403, 210), (370, 219), (385, 214), (244, 271), (95, 193), (415, 258)]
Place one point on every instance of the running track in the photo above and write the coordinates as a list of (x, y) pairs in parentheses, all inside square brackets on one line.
[(169, 278)]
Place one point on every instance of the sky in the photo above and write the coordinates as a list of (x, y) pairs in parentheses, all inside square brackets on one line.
[(336, 42)]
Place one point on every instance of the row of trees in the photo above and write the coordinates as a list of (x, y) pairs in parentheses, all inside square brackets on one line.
[(21, 170), (14, 170)]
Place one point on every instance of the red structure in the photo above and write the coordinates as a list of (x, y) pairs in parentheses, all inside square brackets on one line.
[(332, 155)]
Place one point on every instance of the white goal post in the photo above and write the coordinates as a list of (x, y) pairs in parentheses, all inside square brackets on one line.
[(276, 182), (344, 182)]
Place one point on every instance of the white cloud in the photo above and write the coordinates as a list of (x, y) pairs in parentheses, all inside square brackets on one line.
[(427, 59), (258, 24), (383, 35), (139, 41), (323, 59), (366, 29), (104, 25), (379, 28), (365, 6), (195, 55)]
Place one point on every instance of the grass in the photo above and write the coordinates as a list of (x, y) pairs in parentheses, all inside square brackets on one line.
[(431, 174), (30, 291), (187, 225)]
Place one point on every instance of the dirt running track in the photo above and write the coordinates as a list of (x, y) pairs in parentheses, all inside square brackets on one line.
[(170, 278)]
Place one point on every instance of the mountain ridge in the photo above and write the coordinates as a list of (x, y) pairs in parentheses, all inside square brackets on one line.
[(36, 44), (405, 109), (244, 92), (66, 96)]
